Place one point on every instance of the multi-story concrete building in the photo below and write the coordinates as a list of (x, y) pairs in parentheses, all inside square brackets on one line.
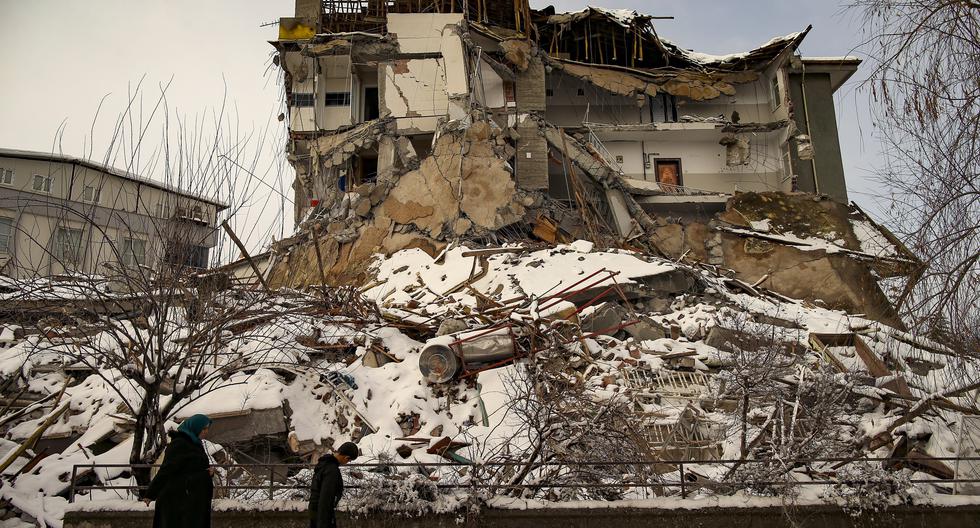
[(680, 127), (422, 124), (60, 214)]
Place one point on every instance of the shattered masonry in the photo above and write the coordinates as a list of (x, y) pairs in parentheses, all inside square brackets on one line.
[(415, 129), (524, 191)]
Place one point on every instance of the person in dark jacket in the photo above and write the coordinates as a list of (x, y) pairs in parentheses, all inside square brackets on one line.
[(182, 488), (328, 486)]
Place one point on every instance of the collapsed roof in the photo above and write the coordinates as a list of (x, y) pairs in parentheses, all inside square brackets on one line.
[(627, 38)]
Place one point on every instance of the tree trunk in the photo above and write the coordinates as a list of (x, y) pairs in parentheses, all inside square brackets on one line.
[(148, 436), (745, 426)]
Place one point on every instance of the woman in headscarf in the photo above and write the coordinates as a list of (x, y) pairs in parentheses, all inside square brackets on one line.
[(183, 488)]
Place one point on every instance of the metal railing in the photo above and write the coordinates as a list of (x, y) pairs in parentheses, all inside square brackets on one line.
[(678, 475), (601, 149)]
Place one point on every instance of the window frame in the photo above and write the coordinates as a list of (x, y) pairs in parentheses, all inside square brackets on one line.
[(8, 238), (49, 180), (344, 99), (128, 256), (307, 97), (775, 93), (163, 210), (96, 190), (6, 172), (60, 246)]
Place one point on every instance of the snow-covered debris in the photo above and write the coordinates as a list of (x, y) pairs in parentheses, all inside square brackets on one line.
[(688, 349)]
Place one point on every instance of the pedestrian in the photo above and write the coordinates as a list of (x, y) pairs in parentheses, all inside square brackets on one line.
[(182, 488), (328, 486)]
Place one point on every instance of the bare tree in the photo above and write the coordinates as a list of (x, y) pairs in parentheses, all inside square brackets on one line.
[(139, 307), (926, 56), (560, 434)]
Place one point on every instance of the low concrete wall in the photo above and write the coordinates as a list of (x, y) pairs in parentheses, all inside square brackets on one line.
[(709, 517)]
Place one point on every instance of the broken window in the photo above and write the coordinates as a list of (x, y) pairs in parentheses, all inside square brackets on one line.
[(6, 176), (6, 234), (787, 161), (668, 173), (133, 252), (663, 108), (774, 92), (68, 246), (338, 98), (302, 99)]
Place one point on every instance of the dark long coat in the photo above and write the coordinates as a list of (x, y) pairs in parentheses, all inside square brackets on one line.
[(325, 492), (182, 488)]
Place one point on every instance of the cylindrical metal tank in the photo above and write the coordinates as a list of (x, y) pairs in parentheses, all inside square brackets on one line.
[(438, 363), (442, 358)]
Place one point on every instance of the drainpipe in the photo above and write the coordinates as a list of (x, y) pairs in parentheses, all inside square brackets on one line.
[(643, 143)]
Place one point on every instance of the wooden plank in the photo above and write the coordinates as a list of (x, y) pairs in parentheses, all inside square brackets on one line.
[(241, 247), (878, 369)]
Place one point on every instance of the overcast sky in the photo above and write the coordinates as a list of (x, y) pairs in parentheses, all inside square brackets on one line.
[(62, 59)]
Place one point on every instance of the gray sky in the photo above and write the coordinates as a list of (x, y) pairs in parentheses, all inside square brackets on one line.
[(60, 58)]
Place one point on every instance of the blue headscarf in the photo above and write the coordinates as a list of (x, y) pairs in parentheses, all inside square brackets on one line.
[(194, 425)]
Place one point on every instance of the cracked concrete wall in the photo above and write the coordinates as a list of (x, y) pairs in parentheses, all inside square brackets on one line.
[(414, 88), (425, 87)]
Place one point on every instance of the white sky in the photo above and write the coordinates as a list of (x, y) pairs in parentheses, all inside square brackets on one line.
[(61, 58)]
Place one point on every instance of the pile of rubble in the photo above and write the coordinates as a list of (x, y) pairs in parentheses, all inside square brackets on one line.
[(427, 362)]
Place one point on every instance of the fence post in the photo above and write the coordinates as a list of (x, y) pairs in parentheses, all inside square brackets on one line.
[(683, 481), (271, 496), (71, 488)]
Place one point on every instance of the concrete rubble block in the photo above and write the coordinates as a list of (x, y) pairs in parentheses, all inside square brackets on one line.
[(461, 226), (378, 194), (669, 283), (451, 326), (362, 206), (230, 428), (604, 319), (406, 153), (670, 239), (646, 329), (517, 51)]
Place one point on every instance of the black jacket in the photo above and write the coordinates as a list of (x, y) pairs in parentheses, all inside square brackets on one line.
[(325, 492), (182, 488)]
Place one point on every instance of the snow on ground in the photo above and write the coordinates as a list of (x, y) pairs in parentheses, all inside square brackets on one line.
[(316, 369)]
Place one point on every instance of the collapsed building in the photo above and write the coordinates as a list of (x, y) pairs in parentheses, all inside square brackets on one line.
[(417, 124), (482, 177)]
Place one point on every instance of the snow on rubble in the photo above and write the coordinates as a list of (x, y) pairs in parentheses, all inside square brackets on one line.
[(698, 366)]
